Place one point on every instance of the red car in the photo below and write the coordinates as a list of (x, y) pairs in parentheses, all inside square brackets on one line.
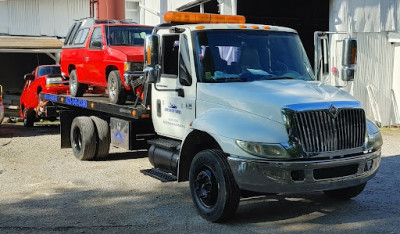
[(104, 54), (45, 79)]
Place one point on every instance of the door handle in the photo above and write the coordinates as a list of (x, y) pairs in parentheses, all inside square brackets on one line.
[(87, 59)]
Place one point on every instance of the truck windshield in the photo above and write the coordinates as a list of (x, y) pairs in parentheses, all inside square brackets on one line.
[(49, 70), (249, 55), (126, 35)]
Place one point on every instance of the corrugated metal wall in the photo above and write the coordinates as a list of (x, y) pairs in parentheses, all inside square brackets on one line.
[(369, 21), (375, 69), (44, 17)]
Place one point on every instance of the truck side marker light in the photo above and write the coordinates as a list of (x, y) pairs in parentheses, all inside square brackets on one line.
[(92, 105), (254, 27), (191, 124), (133, 113), (188, 17), (266, 27), (148, 55), (242, 26), (145, 116), (62, 99), (200, 27)]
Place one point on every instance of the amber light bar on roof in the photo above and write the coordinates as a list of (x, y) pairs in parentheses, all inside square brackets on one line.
[(187, 17)]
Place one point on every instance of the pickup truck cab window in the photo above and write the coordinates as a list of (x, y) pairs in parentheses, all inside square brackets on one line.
[(249, 55), (81, 36), (96, 37), (126, 35)]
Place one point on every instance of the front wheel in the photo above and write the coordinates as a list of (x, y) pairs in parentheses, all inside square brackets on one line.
[(213, 187), (116, 91), (29, 118), (345, 193)]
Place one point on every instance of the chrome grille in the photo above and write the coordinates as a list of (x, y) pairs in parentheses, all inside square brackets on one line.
[(319, 131)]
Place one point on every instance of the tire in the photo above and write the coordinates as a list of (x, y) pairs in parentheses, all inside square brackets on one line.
[(75, 88), (103, 138), (29, 118), (212, 185), (345, 193), (116, 91), (83, 138)]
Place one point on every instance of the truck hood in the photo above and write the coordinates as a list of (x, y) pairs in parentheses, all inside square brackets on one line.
[(267, 98), (133, 53)]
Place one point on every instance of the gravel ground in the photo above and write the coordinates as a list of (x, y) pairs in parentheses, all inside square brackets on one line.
[(45, 189)]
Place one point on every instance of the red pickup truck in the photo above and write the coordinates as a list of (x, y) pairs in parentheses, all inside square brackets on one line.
[(103, 54), (44, 79)]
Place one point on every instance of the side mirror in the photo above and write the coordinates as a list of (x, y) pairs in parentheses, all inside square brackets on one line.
[(349, 58), (151, 58), (29, 76), (96, 44), (325, 55)]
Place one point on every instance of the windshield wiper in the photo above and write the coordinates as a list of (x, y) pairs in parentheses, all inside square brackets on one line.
[(229, 79), (281, 78), (122, 44)]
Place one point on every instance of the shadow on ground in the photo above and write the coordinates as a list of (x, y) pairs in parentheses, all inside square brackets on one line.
[(167, 207), (9, 130)]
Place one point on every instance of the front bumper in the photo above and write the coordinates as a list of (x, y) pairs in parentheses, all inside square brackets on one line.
[(129, 77), (303, 176)]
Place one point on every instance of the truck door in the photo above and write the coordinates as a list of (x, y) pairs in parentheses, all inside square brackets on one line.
[(93, 60), (173, 97)]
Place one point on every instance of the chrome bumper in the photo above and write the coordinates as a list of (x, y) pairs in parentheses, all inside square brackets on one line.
[(303, 176), (131, 76)]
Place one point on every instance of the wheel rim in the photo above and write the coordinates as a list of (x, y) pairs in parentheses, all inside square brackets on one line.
[(112, 90), (72, 83), (206, 187), (77, 139)]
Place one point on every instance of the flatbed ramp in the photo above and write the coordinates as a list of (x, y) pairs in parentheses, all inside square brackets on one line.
[(99, 103)]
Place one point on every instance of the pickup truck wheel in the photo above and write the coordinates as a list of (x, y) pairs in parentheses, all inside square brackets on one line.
[(345, 193), (213, 187), (116, 91), (102, 137), (29, 118), (83, 138), (75, 88)]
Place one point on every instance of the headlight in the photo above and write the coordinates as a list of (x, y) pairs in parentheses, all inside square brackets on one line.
[(54, 80), (374, 138), (133, 66), (273, 151)]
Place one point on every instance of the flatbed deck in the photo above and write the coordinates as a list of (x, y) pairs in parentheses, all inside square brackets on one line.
[(98, 103)]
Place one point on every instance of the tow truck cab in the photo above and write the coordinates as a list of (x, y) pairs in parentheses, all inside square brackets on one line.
[(238, 109)]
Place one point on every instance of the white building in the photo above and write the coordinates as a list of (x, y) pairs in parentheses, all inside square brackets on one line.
[(376, 26)]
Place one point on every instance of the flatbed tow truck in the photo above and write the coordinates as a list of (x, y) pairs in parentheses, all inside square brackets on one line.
[(234, 109)]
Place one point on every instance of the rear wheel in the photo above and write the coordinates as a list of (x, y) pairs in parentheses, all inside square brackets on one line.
[(75, 88), (116, 91), (83, 138), (102, 137), (345, 193), (213, 187)]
